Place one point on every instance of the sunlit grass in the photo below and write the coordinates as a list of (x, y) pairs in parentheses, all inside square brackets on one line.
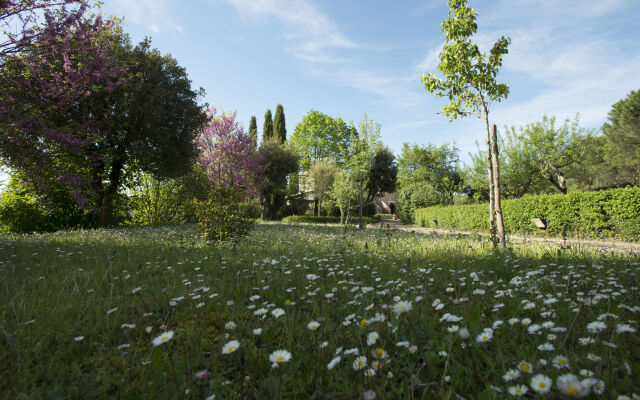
[(80, 312)]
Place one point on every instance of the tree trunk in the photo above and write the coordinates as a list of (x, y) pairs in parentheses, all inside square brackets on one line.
[(106, 203), (361, 190), (496, 187), (492, 220), (263, 211)]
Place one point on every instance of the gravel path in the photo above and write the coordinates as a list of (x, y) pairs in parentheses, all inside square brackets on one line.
[(605, 245)]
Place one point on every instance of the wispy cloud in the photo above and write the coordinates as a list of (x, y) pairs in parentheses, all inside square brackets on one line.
[(310, 34), (152, 14)]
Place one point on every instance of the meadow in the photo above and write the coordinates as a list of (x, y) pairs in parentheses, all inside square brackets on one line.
[(301, 311)]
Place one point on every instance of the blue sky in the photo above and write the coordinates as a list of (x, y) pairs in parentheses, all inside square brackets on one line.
[(347, 58)]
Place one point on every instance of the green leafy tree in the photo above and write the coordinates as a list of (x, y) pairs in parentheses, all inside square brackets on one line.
[(362, 154), (553, 148), (470, 85), (343, 193), (279, 125), (622, 132), (382, 175), (433, 166), (267, 127), (320, 137), (253, 131), (279, 162), (322, 173)]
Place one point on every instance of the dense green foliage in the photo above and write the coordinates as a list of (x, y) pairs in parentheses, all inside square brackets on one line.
[(414, 196), (253, 130), (319, 136), (267, 127), (225, 215), (279, 162), (279, 125), (622, 132), (81, 310), (325, 219), (603, 214)]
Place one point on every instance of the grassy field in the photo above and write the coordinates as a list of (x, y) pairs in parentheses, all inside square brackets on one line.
[(156, 313)]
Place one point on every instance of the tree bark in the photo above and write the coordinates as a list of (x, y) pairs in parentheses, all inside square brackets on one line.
[(106, 203), (361, 190), (492, 220), (496, 187)]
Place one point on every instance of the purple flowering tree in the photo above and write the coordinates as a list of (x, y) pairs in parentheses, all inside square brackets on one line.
[(21, 21), (227, 154)]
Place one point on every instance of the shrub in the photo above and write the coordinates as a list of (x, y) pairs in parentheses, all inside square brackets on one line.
[(414, 196), (225, 214), (603, 214), (312, 219)]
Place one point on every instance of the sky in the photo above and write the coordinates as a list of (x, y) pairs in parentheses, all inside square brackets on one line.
[(348, 58)]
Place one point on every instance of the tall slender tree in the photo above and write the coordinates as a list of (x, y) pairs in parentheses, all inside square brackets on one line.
[(267, 128), (470, 85), (280, 129), (253, 131)]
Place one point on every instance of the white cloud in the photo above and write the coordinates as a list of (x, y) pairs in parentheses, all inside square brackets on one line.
[(310, 34), (152, 14)]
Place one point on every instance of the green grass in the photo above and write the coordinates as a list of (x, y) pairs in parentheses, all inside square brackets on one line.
[(57, 287)]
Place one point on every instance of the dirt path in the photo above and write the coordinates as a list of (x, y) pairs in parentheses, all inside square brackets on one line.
[(607, 245)]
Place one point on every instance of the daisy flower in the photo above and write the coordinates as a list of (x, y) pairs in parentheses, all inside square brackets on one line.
[(372, 338), (278, 312), (401, 307), (540, 383), (333, 362), (518, 390), (162, 338), (230, 347), (511, 375), (279, 356), (571, 386), (560, 362), (525, 367), (313, 325), (596, 326), (359, 362)]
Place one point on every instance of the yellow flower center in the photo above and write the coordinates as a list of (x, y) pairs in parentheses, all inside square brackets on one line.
[(524, 367), (279, 358), (363, 322), (164, 339), (379, 352), (542, 385), (572, 390), (231, 348)]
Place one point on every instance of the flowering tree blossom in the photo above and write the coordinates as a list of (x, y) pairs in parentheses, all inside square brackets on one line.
[(227, 154), (48, 130), (21, 21)]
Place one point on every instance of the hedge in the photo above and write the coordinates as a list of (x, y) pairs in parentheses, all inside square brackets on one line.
[(604, 214), (312, 219)]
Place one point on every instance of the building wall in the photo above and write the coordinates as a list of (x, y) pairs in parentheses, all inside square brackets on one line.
[(386, 203)]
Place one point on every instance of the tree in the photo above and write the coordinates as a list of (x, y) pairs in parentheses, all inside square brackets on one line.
[(25, 22), (361, 155), (227, 154), (253, 131), (470, 85), (433, 166), (622, 131), (552, 149), (382, 174), (279, 125), (343, 193), (322, 174), (279, 162), (320, 137), (267, 128)]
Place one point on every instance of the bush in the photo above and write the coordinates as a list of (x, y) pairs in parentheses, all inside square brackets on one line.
[(414, 196), (23, 210), (312, 219), (604, 214), (225, 215)]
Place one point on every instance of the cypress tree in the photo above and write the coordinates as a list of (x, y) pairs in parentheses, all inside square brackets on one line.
[(280, 128), (267, 128), (253, 130)]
